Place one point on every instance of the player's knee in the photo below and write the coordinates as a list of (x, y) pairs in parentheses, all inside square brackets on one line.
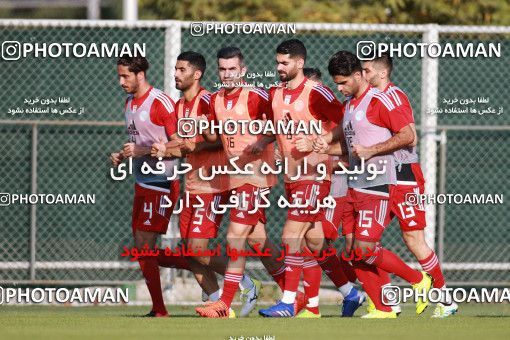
[(349, 242), (363, 246), (315, 244), (236, 237), (259, 240), (413, 240), (416, 244), (144, 239), (202, 260)]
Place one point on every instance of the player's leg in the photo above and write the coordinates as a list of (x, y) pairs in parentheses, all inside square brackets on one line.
[(178, 262), (337, 268), (241, 225), (236, 238), (292, 236), (150, 270), (294, 230), (345, 216), (312, 276), (412, 222), (373, 217), (258, 239), (204, 275), (149, 220)]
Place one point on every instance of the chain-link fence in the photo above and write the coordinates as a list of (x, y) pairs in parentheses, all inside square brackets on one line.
[(66, 152)]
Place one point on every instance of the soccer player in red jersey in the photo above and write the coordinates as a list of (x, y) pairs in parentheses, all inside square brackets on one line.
[(372, 120), (247, 221), (410, 181), (149, 116), (199, 224), (333, 219), (300, 99)]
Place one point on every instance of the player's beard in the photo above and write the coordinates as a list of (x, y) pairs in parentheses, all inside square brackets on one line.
[(184, 84), (285, 77), (131, 89)]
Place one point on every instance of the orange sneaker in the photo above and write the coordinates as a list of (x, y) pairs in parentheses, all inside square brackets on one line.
[(216, 309)]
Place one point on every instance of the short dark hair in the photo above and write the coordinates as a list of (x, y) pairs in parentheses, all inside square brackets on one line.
[(344, 63), (229, 52), (384, 59), (312, 72), (134, 64), (195, 59), (293, 47)]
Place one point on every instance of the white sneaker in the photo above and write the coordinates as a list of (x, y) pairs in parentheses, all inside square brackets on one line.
[(249, 298), (443, 311)]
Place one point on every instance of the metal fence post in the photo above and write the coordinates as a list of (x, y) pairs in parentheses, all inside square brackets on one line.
[(442, 190), (172, 50), (33, 207), (429, 93)]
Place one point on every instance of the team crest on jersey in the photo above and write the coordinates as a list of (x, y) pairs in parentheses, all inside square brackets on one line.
[(359, 115), (299, 105), (229, 105), (144, 115)]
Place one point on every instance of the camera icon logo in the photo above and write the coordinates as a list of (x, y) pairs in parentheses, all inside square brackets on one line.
[(5, 199), (390, 295), (187, 128), (11, 50), (366, 50), (197, 29), (412, 199)]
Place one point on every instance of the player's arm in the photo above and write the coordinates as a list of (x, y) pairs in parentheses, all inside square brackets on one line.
[(188, 146), (163, 114), (133, 150), (415, 140), (259, 107), (117, 157), (259, 146), (402, 101), (326, 107), (344, 160), (394, 120)]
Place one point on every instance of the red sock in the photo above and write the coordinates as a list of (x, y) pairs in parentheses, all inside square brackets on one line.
[(279, 277), (431, 265), (293, 268), (369, 277), (384, 277), (150, 271), (179, 262), (333, 269), (391, 263), (312, 275), (347, 269), (230, 286)]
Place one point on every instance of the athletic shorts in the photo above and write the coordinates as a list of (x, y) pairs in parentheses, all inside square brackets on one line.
[(369, 212), (334, 218), (245, 213), (408, 210), (310, 192), (202, 222), (148, 214)]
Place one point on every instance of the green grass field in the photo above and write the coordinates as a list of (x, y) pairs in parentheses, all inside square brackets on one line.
[(486, 322)]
